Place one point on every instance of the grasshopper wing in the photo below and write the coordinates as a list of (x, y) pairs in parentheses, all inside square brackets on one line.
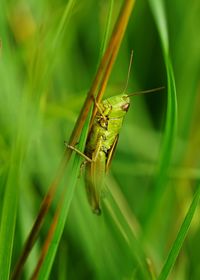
[(94, 177)]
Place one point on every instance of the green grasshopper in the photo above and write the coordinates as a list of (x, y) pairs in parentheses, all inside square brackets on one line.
[(101, 144)]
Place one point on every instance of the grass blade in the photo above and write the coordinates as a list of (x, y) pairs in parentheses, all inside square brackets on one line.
[(62, 212), (105, 39), (63, 22), (8, 222), (160, 19), (176, 247), (171, 117)]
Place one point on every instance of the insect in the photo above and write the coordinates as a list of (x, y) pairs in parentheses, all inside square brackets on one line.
[(101, 144), (102, 141)]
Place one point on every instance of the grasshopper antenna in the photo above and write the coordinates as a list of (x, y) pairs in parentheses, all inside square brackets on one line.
[(129, 70), (146, 91)]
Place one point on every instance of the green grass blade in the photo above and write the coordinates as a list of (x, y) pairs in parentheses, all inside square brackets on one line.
[(11, 185), (180, 237), (171, 117), (135, 248), (107, 29), (48, 262), (8, 222), (160, 19), (63, 22)]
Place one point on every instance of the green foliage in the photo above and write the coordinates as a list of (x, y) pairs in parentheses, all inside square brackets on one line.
[(49, 56)]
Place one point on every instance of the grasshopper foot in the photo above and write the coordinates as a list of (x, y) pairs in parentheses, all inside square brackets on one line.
[(97, 211)]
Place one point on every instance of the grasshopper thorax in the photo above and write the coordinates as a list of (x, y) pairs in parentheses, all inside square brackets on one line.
[(116, 106)]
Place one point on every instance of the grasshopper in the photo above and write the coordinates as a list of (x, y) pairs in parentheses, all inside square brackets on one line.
[(102, 141), (101, 144)]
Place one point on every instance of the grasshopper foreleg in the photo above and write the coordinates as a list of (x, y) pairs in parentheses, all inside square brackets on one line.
[(99, 109)]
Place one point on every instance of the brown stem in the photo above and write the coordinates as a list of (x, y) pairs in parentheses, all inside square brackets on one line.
[(46, 244)]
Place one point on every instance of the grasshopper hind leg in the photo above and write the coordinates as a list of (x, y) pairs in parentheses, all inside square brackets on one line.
[(77, 151)]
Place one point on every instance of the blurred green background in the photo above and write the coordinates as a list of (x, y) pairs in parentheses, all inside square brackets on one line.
[(44, 77)]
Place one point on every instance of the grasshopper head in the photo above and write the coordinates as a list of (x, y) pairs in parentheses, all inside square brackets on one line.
[(118, 105)]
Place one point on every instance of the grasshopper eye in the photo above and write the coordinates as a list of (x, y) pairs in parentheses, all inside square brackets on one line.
[(125, 107)]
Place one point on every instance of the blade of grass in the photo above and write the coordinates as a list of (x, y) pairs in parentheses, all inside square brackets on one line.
[(105, 39), (8, 221), (178, 243), (49, 249), (52, 48), (171, 117), (129, 237), (157, 8), (12, 186), (63, 22)]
